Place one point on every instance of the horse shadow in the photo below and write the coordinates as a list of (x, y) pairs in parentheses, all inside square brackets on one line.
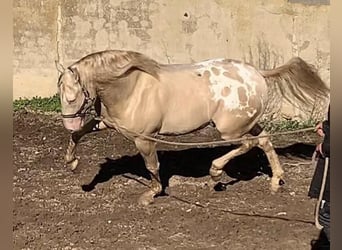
[(196, 163)]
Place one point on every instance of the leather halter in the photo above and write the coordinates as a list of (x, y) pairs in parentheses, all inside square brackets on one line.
[(87, 102)]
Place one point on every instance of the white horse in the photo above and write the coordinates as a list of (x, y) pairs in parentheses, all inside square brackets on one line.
[(138, 96)]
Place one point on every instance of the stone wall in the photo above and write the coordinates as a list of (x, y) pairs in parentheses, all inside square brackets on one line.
[(264, 33)]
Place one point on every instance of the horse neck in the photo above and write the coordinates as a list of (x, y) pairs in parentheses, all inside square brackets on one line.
[(115, 94)]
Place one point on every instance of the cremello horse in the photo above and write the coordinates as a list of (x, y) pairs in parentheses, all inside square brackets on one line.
[(138, 96)]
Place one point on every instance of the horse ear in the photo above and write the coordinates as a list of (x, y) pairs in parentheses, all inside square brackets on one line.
[(59, 67)]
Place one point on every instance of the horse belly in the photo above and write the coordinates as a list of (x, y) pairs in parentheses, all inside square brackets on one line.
[(180, 118)]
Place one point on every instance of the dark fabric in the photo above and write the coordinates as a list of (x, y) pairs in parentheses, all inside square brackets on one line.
[(315, 187), (316, 182), (324, 218), (322, 243), (326, 140), (317, 178)]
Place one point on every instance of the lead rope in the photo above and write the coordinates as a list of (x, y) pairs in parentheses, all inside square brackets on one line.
[(320, 197), (213, 143)]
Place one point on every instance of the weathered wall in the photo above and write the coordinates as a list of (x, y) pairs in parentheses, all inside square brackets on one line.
[(266, 33), (34, 48)]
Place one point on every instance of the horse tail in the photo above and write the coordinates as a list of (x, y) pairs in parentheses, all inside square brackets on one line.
[(297, 82)]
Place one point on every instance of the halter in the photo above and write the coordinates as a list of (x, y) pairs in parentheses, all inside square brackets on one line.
[(87, 103)]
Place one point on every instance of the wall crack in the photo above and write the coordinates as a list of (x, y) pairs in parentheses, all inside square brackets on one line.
[(58, 33)]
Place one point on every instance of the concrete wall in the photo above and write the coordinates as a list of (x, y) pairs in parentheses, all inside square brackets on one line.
[(266, 33)]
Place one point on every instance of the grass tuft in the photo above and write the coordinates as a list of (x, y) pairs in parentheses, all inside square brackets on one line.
[(43, 104), (287, 125)]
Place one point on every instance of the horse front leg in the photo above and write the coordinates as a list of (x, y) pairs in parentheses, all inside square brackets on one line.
[(147, 150), (70, 158)]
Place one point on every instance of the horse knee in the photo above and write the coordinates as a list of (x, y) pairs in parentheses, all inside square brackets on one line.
[(265, 144)]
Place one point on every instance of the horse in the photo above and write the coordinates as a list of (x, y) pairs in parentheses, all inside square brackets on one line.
[(142, 98)]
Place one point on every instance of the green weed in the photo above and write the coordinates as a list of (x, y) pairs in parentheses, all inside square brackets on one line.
[(43, 104), (287, 125)]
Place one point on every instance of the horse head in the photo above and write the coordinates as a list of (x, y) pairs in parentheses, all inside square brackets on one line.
[(74, 97)]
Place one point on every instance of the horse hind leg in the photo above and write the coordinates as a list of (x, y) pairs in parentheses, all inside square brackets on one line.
[(147, 150), (218, 164), (265, 144)]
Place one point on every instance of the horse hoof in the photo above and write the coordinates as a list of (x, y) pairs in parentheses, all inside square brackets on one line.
[(215, 174), (73, 165), (220, 187), (145, 199), (281, 182)]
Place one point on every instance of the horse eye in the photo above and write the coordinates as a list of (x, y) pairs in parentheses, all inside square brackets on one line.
[(71, 101)]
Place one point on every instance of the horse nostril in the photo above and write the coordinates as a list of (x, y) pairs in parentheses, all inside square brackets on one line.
[(281, 182)]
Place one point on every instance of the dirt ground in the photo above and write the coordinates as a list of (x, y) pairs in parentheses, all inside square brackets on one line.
[(96, 206)]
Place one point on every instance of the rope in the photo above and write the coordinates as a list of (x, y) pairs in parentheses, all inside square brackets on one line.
[(215, 143), (236, 213)]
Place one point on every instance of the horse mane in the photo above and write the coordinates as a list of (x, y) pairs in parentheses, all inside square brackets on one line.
[(297, 81), (109, 65)]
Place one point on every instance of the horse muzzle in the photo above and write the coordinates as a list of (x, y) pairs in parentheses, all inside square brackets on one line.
[(73, 124)]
